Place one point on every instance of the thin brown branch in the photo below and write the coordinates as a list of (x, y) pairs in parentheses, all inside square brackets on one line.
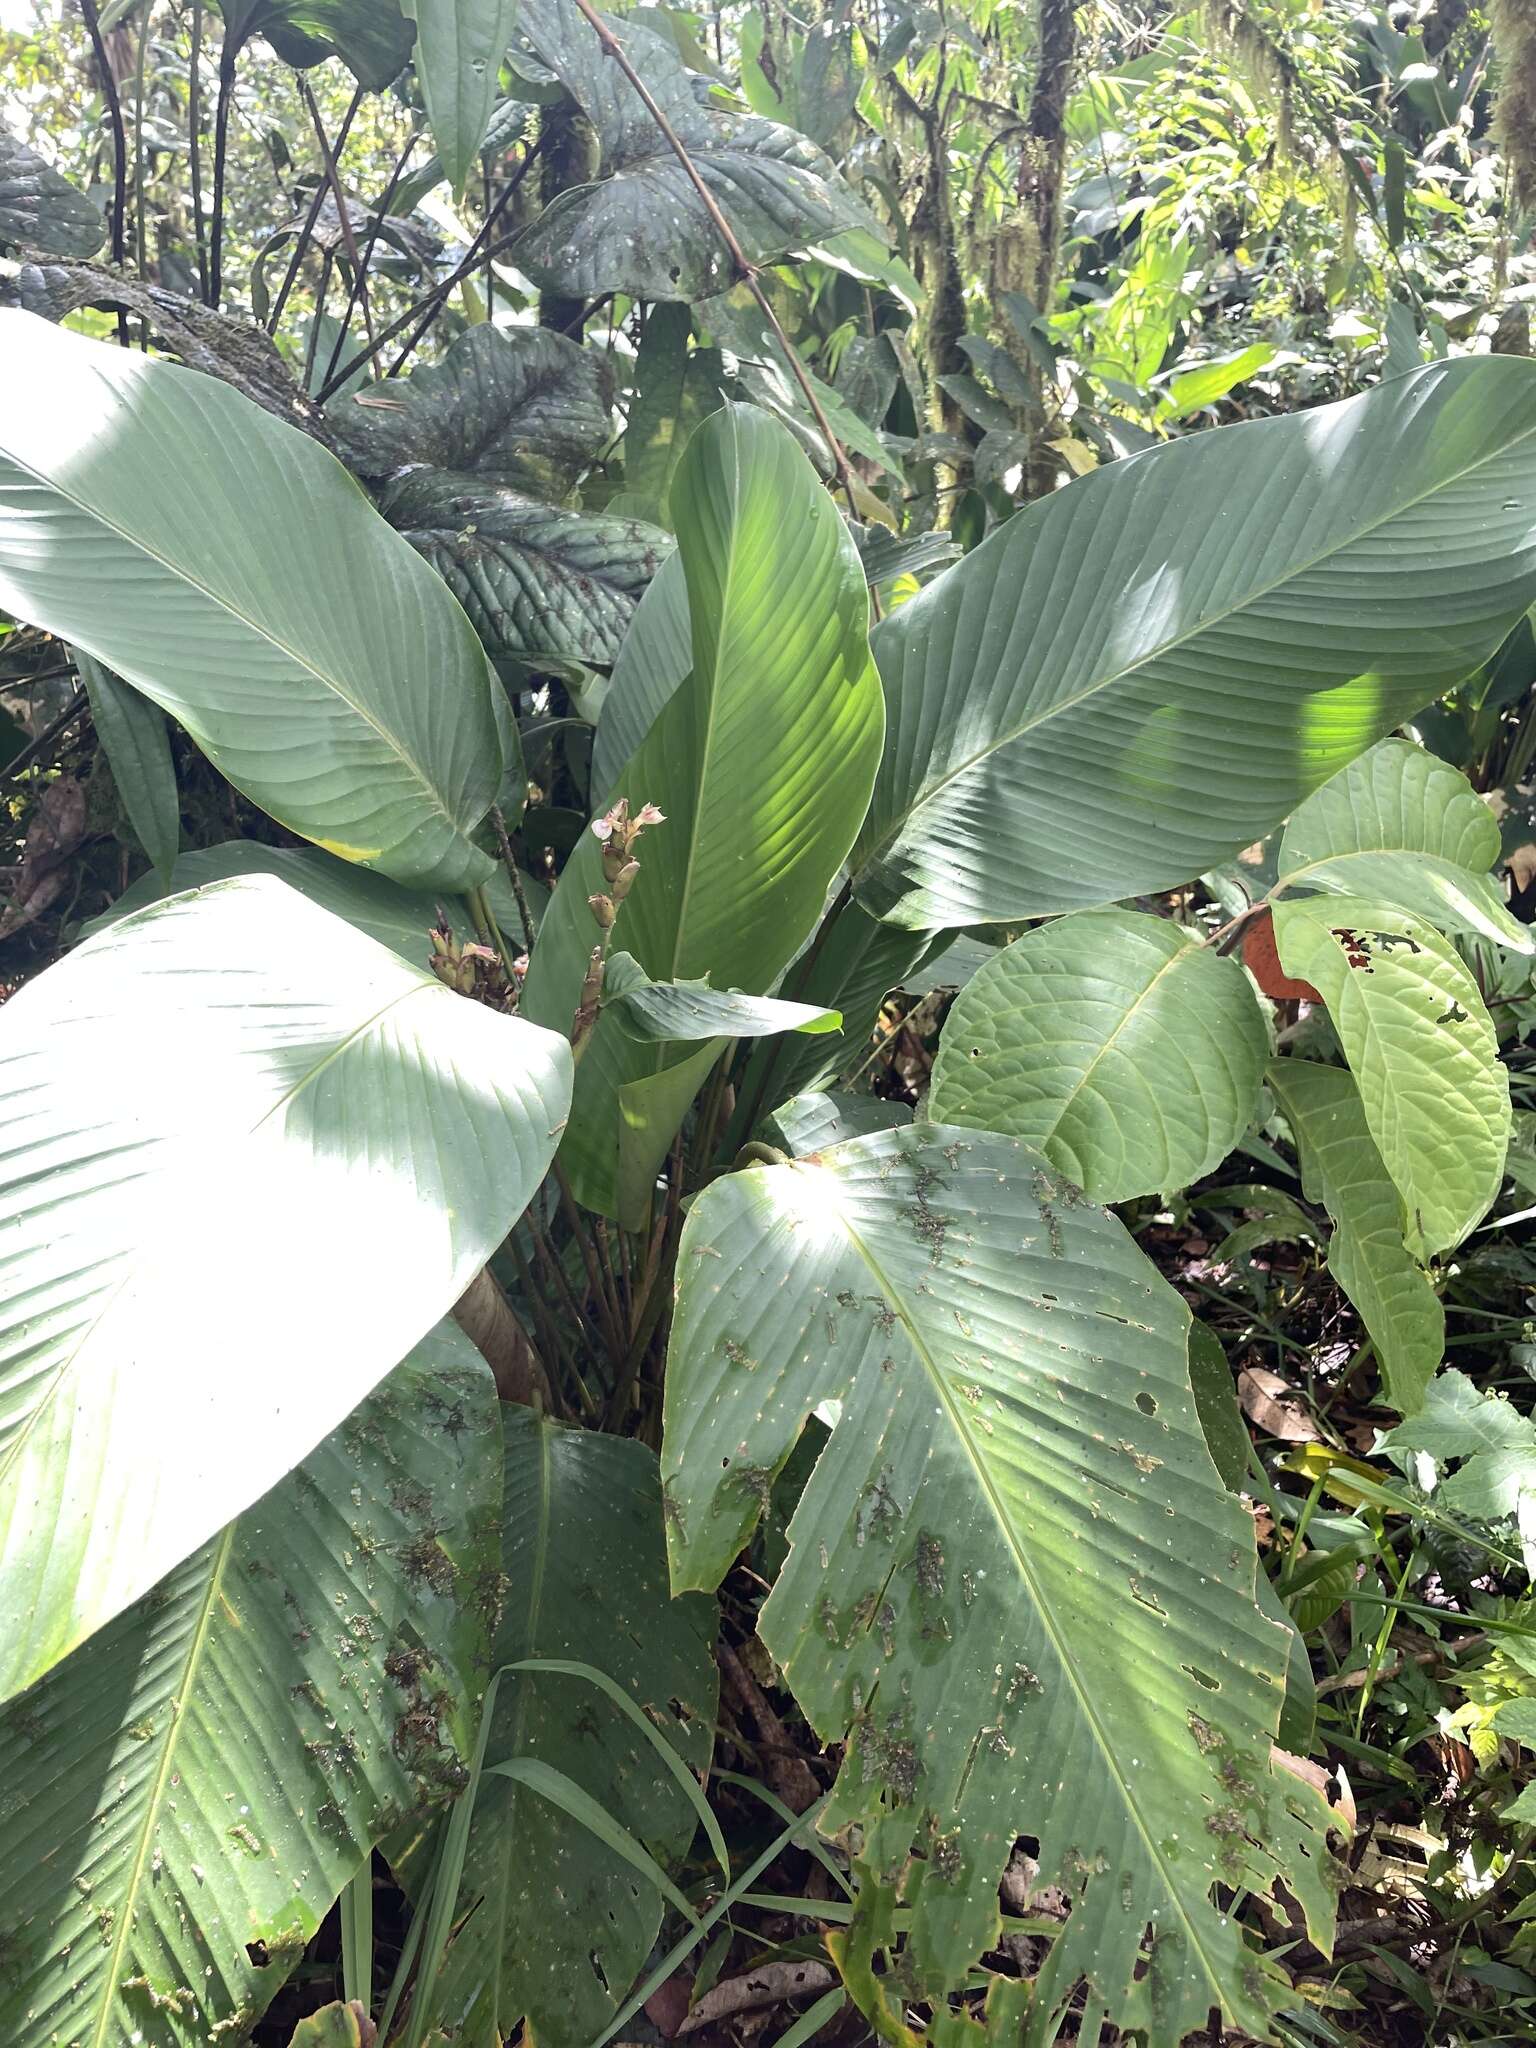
[(339, 201)]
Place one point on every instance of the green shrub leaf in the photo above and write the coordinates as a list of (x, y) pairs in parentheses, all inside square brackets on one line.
[(39, 209), (1116, 1044), (1422, 1049), (761, 762), (1342, 1169), (1401, 826)]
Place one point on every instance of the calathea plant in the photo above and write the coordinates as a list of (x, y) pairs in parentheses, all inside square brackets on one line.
[(283, 1584)]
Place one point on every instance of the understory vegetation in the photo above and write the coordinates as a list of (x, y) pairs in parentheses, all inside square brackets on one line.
[(767, 1098)]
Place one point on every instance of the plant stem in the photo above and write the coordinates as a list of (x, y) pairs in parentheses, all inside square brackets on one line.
[(607, 1313), (119, 149), (357, 1936), (140, 241), (433, 301), (359, 283), (195, 147), (220, 154), (746, 270), (516, 880), (301, 246)]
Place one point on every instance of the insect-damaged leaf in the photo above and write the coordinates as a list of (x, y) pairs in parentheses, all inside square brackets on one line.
[(1016, 1584), (185, 1796)]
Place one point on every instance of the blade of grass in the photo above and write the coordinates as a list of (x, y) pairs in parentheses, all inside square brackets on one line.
[(581, 1807)]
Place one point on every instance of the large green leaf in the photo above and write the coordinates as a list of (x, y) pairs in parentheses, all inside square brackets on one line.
[(1342, 1169), (1016, 1584), (537, 580), (674, 388), (371, 37), (560, 1928), (135, 737), (640, 228), (227, 566), (185, 1796), (1401, 826), (1139, 674), (397, 917), (459, 48), (1123, 1049), (1422, 1049), (39, 209), (519, 408), (252, 1158), (761, 762)]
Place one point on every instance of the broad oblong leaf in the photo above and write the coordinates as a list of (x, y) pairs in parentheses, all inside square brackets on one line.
[(518, 408), (236, 1129), (640, 227), (185, 1796), (539, 581), (459, 48), (135, 738), (1016, 1509), (1141, 673), (1401, 826), (227, 566), (41, 210), (1116, 1044), (371, 37), (761, 761), (1342, 1169), (1422, 1049), (397, 917), (560, 1925)]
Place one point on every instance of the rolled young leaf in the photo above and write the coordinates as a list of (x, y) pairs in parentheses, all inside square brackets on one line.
[(185, 1796), (253, 1157), (1342, 1169), (1401, 826), (1143, 672), (1126, 1051), (1422, 1049), (1016, 1508), (227, 566)]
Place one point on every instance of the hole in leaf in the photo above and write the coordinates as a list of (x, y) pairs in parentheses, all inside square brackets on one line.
[(1146, 1404), (1203, 1678)]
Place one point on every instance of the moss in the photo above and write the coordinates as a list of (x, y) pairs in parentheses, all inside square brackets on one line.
[(1514, 40)]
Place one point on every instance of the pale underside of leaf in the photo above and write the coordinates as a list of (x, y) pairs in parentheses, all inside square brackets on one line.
[(227, 566), (222, 1089), (1145, 671)]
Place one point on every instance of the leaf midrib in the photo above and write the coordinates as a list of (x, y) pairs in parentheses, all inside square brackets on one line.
[(126, 1912), (1206, 623), (897, 1301), (325, 681)]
